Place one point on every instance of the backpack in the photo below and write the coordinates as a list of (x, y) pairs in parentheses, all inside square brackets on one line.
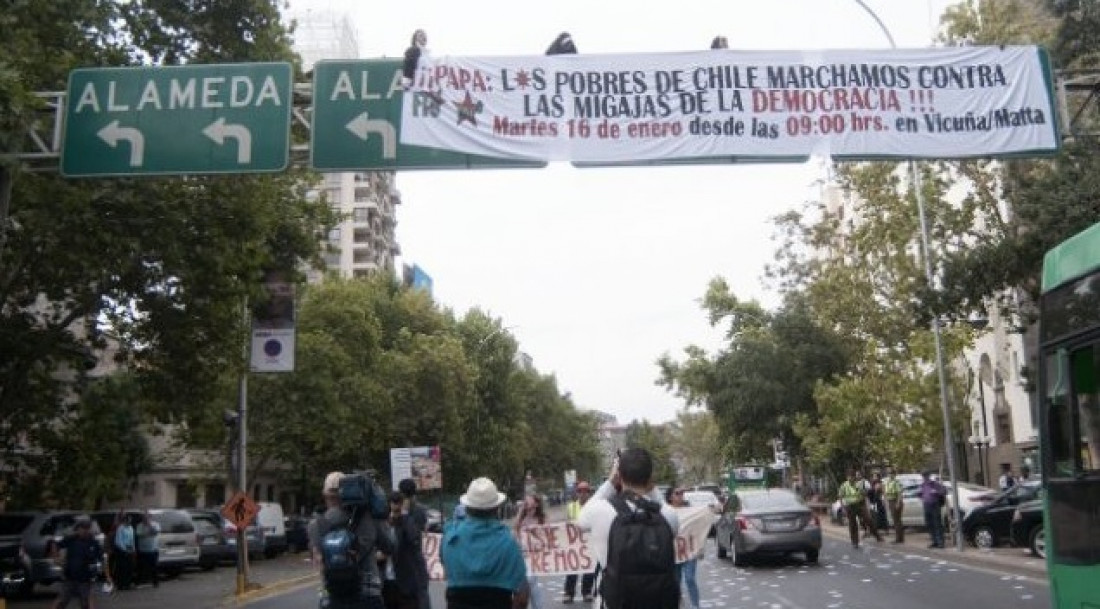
[(359, 490), (341, 559), (341, 565), (641, 558)]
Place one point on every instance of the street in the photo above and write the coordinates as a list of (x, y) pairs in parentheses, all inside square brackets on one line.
[(879, 576)]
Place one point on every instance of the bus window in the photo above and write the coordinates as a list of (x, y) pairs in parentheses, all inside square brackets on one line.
[(1086, 371), (1062, 446)]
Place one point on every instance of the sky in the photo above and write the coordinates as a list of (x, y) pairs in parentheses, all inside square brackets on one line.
[(598, 272)]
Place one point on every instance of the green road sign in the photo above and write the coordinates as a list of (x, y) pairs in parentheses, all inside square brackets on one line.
[(220, 118), (357, 122)]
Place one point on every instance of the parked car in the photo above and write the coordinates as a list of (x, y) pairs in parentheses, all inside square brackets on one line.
[(1027, 527), (297, 533), (214, 546), (254, 538), (990, 523), (272, 523), (32, 535), (774, 521)]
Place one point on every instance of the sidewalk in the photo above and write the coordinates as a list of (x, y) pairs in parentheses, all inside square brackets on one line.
[(916, 542), (197, 589)]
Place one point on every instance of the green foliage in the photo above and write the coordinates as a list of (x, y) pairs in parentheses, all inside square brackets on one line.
[(90, 455), (381, 367), (759, 384), (1049, 200), (658, 441), (697, 440), (150, 272)]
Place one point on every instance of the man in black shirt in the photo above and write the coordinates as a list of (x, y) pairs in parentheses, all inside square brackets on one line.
[(83, 556)]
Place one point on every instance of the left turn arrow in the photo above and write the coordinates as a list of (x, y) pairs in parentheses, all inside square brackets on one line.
[(219, 130), (113, 132)]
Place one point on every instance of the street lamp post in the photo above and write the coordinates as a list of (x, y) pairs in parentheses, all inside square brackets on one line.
[(981, 443), (918, 187)]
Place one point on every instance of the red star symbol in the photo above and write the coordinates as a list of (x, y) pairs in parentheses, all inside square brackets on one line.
[(468, 110), (523, 79)]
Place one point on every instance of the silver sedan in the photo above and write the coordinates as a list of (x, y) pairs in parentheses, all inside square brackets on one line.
[(774, 521)]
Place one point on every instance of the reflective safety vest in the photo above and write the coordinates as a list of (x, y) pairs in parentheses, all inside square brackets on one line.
[(850, 493), (892, 490), (573, 511)]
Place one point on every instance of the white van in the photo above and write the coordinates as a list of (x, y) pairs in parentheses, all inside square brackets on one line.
[(272, 524)]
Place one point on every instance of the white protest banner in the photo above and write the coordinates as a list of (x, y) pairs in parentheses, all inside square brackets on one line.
[(757, 105), (562, 548), (695, 524)]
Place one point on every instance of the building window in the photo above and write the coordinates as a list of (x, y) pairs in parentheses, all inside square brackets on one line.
[(361, 235), (361, 255), (1004, 428), (360, 214), (362, 194), (332, 259), (214, 495), (335, 234), (185, 495)]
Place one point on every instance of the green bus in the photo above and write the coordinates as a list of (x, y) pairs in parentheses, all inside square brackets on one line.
[(1069, 427), (741, 477)]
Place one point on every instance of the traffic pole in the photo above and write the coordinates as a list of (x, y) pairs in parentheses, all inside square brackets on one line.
[(242, 469)]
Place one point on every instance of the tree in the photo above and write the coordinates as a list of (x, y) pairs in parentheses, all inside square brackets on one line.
[(698, 444), (1044, 201), (150, 272), (860, 270), (658, 441), (758, 385)]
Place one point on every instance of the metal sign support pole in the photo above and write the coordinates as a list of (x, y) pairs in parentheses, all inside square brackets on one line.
[(242, 462)]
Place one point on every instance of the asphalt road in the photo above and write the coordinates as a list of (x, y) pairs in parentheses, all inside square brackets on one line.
[(878, 576)]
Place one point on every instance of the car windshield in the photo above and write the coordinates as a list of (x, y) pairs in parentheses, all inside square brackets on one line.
[(173, 522), (14, 524), (774, 500)]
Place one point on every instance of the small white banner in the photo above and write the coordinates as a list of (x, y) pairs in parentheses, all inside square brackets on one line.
[(753, 105), (562, 548), (421, 463)]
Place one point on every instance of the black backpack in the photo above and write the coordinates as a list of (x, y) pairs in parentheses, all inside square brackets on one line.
[(641, 558), (341, 560)]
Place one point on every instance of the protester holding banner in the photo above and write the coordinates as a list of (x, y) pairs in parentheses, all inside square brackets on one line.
[(484, 564), (533, 514), (676, 499), (588, 580)]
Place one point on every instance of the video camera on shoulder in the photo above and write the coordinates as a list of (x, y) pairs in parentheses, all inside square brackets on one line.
[(359, 490)]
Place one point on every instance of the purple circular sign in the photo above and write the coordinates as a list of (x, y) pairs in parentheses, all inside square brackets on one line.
[(272, 348)]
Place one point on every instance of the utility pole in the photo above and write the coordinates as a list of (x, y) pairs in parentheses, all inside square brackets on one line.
[(242, 452)]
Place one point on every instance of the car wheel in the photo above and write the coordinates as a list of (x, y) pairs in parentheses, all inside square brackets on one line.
[(721, 551), (208, 565), (812, 555), (1038, 542), (983, 537), (739, 559)]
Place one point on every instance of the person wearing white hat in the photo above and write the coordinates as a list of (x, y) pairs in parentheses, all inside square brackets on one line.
[(483, 561)]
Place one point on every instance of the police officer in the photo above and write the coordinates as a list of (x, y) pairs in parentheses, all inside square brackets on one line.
[(854, 495)]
